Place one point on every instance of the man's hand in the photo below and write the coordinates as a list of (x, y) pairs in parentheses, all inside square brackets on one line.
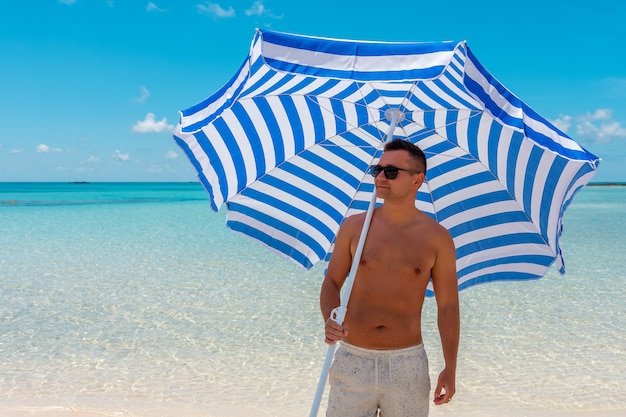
[(334, 331), (445, 387)]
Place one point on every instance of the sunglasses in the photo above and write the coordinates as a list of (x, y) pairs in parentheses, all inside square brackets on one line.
[(390, 171)]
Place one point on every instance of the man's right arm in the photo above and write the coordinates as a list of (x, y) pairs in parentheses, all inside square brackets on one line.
[(338, 269)]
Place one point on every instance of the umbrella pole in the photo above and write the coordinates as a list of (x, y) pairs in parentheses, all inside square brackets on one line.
[(339, 313)]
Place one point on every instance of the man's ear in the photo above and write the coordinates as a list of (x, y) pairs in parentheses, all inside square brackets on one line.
[(419, 179)]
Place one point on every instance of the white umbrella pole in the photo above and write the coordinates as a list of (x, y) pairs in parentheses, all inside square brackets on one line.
[(339, 313)]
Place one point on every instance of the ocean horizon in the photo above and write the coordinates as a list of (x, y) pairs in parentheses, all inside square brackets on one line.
[(133, 299)]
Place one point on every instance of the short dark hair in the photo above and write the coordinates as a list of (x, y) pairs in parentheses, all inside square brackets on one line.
[(405, 145)]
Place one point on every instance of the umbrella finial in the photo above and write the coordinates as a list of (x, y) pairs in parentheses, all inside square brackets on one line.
[(396, 113), (395, 116)]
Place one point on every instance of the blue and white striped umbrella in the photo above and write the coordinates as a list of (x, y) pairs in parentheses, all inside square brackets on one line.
[(287, 142)]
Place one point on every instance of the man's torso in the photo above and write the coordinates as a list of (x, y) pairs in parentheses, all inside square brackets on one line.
[(385, 305)]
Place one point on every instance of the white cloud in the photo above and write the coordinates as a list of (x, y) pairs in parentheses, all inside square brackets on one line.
[(121, 156), (600, 133), (258, 9), (600, 114), (596, 127), (143, 95), (16, 150), (93, 160), (171, 155), (68, 2), (216, 10), (150, 125), (153, 8), (42, 148)]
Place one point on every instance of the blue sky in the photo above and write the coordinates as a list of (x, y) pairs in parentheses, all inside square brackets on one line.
[(90, 89)]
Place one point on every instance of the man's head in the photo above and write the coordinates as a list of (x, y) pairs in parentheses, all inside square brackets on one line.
[(400, 171), (414, 151)]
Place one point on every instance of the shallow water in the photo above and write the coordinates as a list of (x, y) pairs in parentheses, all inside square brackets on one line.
[(135, 299)]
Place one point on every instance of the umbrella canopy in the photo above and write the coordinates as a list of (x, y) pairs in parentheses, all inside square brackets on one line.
[(287, 142)]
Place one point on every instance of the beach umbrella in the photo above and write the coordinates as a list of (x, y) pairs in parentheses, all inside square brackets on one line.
[(287, 142)]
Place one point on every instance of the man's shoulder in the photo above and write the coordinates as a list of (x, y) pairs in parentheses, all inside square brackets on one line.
[(436, 228), (444, 239), (353, 221), (356, 218)]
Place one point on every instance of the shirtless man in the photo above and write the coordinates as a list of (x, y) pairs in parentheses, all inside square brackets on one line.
[(381, 363)]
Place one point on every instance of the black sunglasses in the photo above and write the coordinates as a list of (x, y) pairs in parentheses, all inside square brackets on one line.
[(390, 171)]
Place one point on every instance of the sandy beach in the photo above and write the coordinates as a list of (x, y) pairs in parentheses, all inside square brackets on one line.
[(491, 410)]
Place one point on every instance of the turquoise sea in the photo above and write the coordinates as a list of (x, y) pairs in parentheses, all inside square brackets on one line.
[(124, 299)]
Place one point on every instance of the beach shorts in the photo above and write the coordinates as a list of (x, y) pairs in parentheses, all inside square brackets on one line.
[(365, 381)]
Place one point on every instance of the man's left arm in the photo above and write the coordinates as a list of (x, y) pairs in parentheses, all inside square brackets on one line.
[(445, 286)]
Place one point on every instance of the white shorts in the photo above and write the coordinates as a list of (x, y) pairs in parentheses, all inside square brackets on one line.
[(364, 381)]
